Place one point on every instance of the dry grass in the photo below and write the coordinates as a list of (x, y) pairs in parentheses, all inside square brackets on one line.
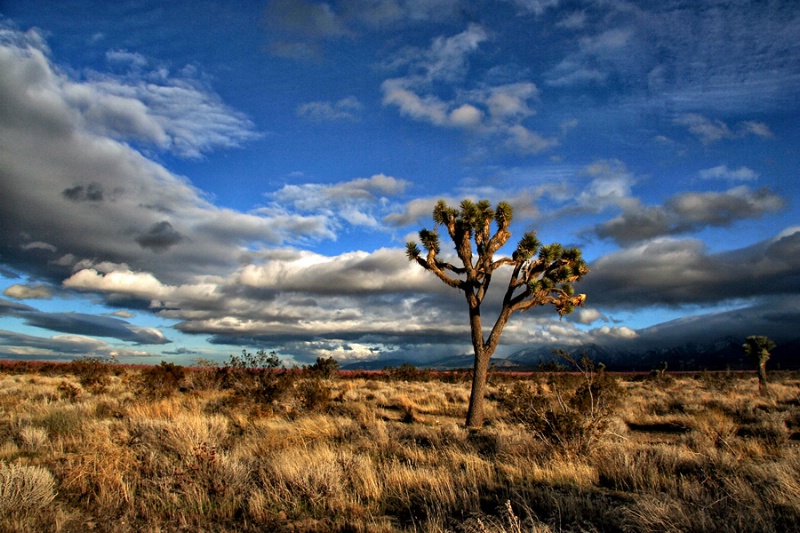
[(695, 453)]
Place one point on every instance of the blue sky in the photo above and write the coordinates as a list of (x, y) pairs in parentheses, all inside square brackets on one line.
[(183, 180)]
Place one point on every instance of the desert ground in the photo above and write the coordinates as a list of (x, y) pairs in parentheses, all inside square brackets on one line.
[(94, 446)]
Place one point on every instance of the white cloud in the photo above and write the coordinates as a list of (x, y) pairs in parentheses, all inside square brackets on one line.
[(385, 270), (596, 57), (587, 316), (26, 292), (707, 130), (610, 185), (605, 333), (357, 202), (525, 141), (573, 21), (142, 285), (723, 172), (466, 116), (496, 112), (536, 7), (710, 131), (325, 111), (757, 128), (428, 108)]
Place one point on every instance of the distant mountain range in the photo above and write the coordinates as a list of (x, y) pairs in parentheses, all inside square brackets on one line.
[(711, 341), (718, 354)]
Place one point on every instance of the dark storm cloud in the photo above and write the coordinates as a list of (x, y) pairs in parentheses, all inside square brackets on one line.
[(59, 345), (776, 318), (690, 211), (681, 272), (7, 307), (160, 237), (90, 193), (99, 326), (62, 151), (15, 345)]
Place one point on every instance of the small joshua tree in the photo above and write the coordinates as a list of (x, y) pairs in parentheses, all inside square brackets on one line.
[(757, 348), (540, 275)]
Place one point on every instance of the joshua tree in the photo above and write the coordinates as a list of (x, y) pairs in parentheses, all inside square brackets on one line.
[(540, 275), (757, 348)]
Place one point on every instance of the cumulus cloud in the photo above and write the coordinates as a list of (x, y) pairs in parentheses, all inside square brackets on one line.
[(588, 316), (383, 271), (690, 211)]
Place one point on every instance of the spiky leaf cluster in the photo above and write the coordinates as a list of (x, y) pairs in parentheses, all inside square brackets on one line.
[(757, 348), (541, 274)]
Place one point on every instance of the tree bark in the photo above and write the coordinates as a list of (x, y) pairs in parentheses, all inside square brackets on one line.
[(475, 412), (762, 377), (480, 366)]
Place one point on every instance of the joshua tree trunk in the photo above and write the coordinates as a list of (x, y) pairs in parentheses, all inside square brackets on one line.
[(762, 377), (481, 364), (478, 393)]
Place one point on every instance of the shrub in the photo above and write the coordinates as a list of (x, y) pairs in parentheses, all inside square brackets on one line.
[(163, 380), (576, 410), (719, 381), (25, 489), (324, 368), (34, 439), (260, 376), (314, 394), (407, 372), (69, 391), (659, 375), (62, 422), (92, 373)]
